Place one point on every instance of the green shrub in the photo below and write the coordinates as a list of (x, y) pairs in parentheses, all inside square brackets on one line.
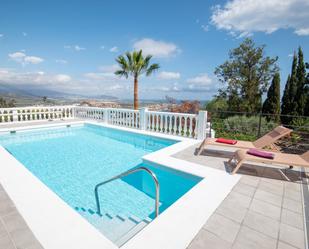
[(242, 127)]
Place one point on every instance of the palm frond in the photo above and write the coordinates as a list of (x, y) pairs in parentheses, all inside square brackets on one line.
[(135, 64), (152, 68), (139, 57), (122, 73), (129, 58), (145, 65)]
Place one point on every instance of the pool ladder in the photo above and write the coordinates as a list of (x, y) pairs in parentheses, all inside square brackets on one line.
[(129, 172)]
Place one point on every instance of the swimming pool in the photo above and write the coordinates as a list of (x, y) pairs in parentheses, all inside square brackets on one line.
[(71, 161)]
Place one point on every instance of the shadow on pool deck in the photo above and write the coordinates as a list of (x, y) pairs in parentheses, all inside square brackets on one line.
[(264, 210)]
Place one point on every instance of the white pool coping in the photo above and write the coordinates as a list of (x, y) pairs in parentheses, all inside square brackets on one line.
[(56, 225)]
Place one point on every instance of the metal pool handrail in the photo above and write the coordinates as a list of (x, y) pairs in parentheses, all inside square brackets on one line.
[(154, 177)]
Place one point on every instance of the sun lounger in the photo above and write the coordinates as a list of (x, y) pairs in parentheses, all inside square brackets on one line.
[(266, 140), (242, 156)]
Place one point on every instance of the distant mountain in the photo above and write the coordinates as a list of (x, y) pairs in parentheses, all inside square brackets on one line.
[(14, 91), (36, 92)]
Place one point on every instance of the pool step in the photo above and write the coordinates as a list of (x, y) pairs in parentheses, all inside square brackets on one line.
[(118, 228), (132, 232)]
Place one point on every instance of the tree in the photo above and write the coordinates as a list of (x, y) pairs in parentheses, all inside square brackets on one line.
[(217, 104), (247, 74), (285, 101), (187, 106), (288, 106), (272, 103), (301, 84), (135, 64), (7, 104), (44, 99), (307, 92)]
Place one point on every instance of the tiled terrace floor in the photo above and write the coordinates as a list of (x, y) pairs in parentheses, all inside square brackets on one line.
[(263, 211), (14, 232)]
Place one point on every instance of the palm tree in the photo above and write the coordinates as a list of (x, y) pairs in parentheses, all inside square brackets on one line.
[(135, 64)]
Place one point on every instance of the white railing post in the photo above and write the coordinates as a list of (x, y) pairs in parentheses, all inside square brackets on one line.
[(15, 116), (143, 118), (105, 118), (73, 112), (201, 126)]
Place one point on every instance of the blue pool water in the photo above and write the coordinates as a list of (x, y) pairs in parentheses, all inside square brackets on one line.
[(71, 161)]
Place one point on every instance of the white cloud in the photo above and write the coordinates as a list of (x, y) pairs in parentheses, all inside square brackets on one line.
[(33, 59), (1, 35), (78, 48), (24, 34), (106, 81), (201, 79), (246, 16), (114, 49), (21, 57), (91, 83), (17, 56), (61, 61), (74, 47), (102, 47), (100, 76), (169, 75), (109, 68), (200, 83), (10, 76), (205, 27), (304, 31), (62, 78), (173, 87), (155, 48)]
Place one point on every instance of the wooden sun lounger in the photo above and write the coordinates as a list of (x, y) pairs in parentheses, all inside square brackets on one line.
[(241, 156), (266, 140)]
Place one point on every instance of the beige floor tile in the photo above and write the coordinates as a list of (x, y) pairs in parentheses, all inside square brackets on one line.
[(292, 236), (262, 224), (292, 205), (293, 219), (266, 209), (244, 189), (223, 227), (268, 197), (251, 239), (205, 239)]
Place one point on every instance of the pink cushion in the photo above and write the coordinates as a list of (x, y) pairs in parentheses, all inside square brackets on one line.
[(260, 153), (226, 141)]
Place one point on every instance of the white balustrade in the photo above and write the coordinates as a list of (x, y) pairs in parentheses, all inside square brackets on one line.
[(177, 124), (123, 117), (21, 114), (89, 112)]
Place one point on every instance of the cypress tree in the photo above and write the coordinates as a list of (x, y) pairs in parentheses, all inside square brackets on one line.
[(300, 97), (285, 101), (306, 112), (272, 103), (288, 106)]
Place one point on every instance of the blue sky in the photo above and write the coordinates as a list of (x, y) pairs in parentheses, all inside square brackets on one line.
[(71, 46)]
